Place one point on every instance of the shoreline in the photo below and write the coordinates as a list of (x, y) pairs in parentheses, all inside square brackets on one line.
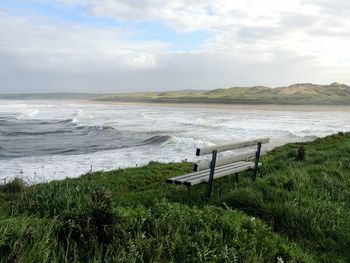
[(266, 107)]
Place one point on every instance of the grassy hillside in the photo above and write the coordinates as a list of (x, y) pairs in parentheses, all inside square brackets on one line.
[(333, 94), (297, 211)]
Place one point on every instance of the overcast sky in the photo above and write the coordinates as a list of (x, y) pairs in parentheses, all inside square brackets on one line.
[(135, 45)]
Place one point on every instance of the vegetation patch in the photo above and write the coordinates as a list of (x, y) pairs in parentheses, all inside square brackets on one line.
[(297, 94), (296, 211)]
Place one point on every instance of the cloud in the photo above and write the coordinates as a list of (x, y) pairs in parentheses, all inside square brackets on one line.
[(249, 43), (58, 45)]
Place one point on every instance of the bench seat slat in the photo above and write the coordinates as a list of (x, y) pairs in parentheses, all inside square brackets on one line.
[(217, 170), (173, 179), (204, 179), (203, 176)]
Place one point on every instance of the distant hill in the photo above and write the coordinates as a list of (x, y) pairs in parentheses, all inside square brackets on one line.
[(298, 94)]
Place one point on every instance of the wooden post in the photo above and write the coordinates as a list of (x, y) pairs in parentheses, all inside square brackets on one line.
[(257, 157), (211, 174), (236, 177)]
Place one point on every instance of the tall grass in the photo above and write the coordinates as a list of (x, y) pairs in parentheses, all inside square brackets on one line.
[(297, 211)]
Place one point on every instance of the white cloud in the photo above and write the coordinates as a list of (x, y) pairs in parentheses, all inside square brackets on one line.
[(303, 28), (62, 45), (251, 42)]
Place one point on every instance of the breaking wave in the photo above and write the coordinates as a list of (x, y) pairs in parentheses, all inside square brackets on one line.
[(157, 139)]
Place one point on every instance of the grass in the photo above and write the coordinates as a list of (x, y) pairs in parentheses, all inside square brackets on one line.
[(297, 211), (298, 94)]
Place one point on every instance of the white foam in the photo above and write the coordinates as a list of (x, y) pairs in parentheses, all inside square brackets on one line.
[(188, 128)]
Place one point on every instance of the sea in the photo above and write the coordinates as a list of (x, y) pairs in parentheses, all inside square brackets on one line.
[(51, 140)]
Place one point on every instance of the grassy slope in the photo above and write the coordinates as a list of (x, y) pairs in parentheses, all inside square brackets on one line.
[(306, 93), (297, 211)]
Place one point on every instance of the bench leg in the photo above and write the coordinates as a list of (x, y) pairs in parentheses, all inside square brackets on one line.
[(257, 157), (211, 174), (189, 189), (236, 178)]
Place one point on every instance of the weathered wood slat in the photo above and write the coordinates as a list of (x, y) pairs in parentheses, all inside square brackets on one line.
[(232, 170), (204, 179), (172, 180), (232, 146), (205, 164), (205, 173)]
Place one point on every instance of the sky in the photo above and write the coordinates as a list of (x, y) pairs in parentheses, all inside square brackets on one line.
[(108, 46)]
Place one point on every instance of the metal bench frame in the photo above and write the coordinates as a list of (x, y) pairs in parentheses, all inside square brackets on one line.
[(223, 167)]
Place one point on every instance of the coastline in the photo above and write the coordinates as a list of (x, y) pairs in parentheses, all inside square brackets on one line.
[(186, 126), (265, 107)]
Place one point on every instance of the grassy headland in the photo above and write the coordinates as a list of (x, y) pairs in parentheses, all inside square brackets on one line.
[(297, 94), (297, 211)]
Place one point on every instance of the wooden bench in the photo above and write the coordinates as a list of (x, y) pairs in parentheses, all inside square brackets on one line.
[(205, 171)]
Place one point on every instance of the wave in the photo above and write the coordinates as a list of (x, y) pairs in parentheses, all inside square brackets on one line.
[(56, 121), (24, 133), (22, 137), (51, 128), (158, 139), (11, 127), (29, 114), (11, 120), (94, 130)]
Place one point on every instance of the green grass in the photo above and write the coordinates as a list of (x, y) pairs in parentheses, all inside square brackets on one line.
[(298, 210), (298, 94)]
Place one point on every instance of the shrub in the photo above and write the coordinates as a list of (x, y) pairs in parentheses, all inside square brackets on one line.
[(16, 185)]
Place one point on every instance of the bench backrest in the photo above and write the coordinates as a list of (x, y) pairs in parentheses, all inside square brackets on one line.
[(205, 164)]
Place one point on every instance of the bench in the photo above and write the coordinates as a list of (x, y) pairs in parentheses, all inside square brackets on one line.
[(205, 171)]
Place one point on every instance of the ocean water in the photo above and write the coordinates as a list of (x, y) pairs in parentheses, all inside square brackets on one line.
[(50, 140)]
